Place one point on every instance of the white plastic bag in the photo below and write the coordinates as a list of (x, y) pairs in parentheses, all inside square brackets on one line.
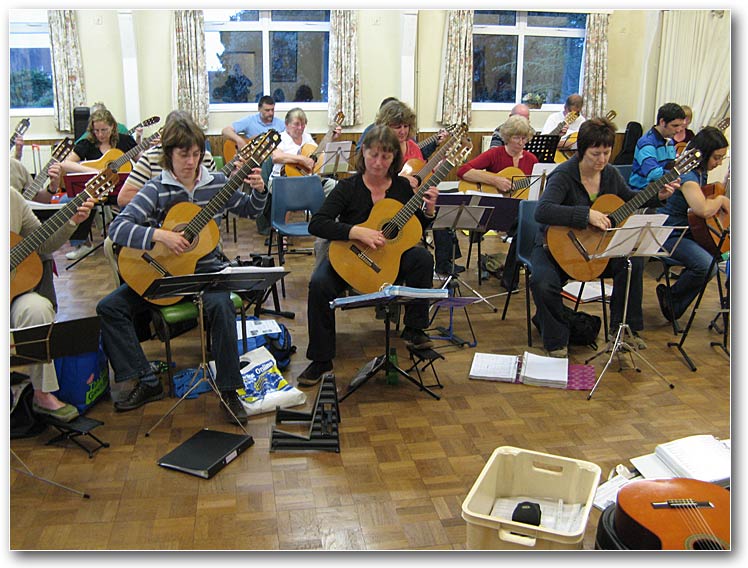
[(264, 385)]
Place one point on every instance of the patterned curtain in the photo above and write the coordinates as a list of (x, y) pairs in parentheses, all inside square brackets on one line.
[(695, 72), (596, 66), (191, 72), (344, 91), (456, 81), (67, 67)]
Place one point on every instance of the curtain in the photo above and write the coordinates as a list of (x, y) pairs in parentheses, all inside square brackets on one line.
[(191, 72), (344, 85), (456, 80), (67, 67), (595, 76), (694, 67)]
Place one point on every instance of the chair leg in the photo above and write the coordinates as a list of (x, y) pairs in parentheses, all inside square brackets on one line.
[(270, 241), (579, 296), (605, 308), (509, 293), (676, 327), (470, 251), (480, 277), (527, 306)]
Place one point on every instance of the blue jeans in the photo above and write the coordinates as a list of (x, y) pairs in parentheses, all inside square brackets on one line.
[(547, 279), (117, 312), (688, 285)]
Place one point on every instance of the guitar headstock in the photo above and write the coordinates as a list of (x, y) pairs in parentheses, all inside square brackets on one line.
[(688, 160), (571, 117), (724, 123), (611, 115), (260, 147), (339, 118), (150, 121), (62, 149), (23, 126), (460, 152), (100, 186)]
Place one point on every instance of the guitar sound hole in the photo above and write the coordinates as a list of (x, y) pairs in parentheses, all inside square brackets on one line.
[(390, 231), (702, 543)]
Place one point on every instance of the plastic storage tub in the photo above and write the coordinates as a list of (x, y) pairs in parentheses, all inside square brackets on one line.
[(513, 472)]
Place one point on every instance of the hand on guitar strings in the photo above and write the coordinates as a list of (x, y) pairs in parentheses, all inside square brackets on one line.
[(599, 219), (253, 179), (668, 189), (429, 199), (83, 211), (175, 242), (372, 238)]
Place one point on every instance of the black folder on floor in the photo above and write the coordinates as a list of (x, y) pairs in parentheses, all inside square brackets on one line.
[(206, 453)]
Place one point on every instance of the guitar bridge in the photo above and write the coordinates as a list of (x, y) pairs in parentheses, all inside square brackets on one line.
[(366, 260), (578, 245), (155, 264)]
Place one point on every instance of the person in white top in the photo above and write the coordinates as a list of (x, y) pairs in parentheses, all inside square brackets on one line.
[(573, 105)]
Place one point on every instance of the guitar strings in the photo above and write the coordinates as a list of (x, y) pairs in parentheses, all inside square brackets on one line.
[(697, 523)]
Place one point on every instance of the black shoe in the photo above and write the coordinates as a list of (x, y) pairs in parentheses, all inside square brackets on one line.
[(313, 373), (662, 299), (449, 269), (140, 395), (416, 338), (232, 401)]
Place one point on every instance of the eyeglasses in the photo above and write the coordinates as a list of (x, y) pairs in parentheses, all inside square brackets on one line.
[(519, 139), (106, 130)]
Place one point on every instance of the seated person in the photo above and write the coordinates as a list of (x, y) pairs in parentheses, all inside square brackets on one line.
[(183, 178), (520, 109), (682, 138), (689, 198), (574, 103), (39, 305), (254, 124), (567, 201), (655, 150), (348, 205)]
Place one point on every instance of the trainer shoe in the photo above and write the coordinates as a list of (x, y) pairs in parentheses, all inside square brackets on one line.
[(235, 405), (140, 395), (562, 353), (416, 338), (637, 341), (79, 252), (313, 373)]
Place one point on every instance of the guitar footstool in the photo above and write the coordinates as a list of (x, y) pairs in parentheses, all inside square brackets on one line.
[(80, 427)]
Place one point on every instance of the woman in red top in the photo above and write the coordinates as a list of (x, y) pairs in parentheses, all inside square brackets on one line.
[(516, 132), (402, 121)]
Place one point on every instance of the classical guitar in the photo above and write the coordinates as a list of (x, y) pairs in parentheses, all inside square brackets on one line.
[(424, 169), (414, 165), (147, 122), (229, 148), (520, 183), (708, 232), (139, 268), (25, 264), (365, 269), (59, 153), (21, 128), (563, 155), (571, 248), (315, 152), (673, 514), (722, 125), (119, 161)]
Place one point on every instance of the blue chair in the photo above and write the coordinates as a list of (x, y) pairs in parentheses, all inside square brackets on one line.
[(302, 193), (625, 170), (527, 229)]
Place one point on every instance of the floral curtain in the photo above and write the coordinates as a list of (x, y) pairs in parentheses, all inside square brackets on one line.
[(190, 69), (67, 67), (456, 81), (596, 66), (344, 92)]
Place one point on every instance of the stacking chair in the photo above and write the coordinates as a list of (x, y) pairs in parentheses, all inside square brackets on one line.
[(527, 229), (302, 193)]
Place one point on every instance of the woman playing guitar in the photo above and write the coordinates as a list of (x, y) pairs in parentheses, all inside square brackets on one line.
[(690, 197), (343, 217), (567, 201)]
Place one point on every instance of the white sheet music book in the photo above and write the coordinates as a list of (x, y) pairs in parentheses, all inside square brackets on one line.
[(492, 367), (335, 157), (640, 235)]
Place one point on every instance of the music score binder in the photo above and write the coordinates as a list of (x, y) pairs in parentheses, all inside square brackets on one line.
[(206, 453), (529, 369)]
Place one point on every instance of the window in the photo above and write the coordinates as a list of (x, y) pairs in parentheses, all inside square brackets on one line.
[(516, 54), (30, 60), (283, 53)]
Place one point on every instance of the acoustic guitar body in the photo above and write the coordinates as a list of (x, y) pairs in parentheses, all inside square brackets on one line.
[(510, 173), (27, 274), (293, 170), (109, 156), (367, 270), (139, 268), (563, 246), (708, 232), (229, 149), (412, 166), (673, 514)]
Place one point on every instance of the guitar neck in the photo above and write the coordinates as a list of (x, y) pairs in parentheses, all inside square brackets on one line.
[(132, 152), (415, 202), (643, 196), (39, 181)]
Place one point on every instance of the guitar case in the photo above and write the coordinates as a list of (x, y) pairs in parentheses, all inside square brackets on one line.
[(606, 537)]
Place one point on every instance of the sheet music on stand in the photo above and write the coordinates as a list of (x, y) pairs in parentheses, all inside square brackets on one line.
[(640, 235), (335, 158)]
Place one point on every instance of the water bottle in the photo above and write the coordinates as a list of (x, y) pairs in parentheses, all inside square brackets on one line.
[(392, 374)]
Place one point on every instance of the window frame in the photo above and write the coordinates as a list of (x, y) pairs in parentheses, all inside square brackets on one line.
[(29, 22), (265, 25), (521, 30)]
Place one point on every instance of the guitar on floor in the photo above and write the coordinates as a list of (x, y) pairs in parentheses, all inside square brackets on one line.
[(119, 161), (563, 155), (366, 270), (708, 232), (139, 268), (20, 130), (673, 514), (25, 264), (315, 152), (520, 183), (571, 248), (59, 153)]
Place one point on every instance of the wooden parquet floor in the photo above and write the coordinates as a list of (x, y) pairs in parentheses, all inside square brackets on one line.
[(407, 460)]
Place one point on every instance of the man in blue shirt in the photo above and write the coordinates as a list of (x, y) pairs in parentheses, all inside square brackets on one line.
[(254, 124), (656, 149)]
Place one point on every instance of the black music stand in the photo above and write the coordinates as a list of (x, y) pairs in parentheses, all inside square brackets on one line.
[(42, 344), (232, 279), (544, 147), (389, 304), (637, 237), (723, 344)]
